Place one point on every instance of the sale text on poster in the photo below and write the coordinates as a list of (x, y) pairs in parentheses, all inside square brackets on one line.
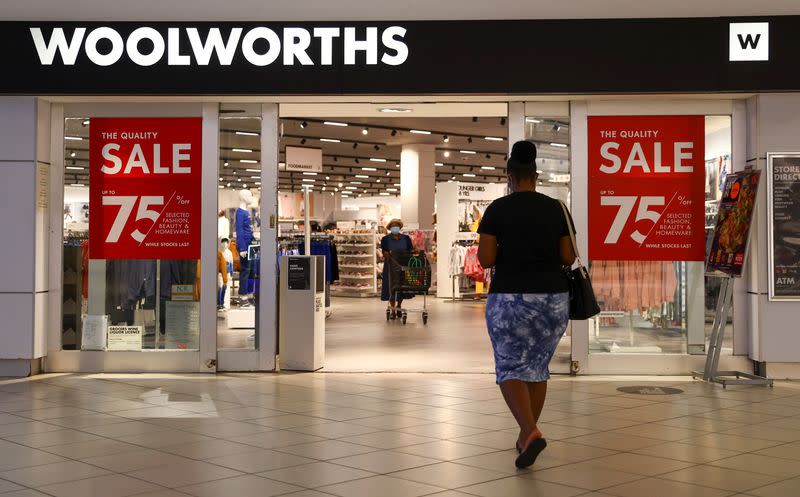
[(145, 188), (646, 188)]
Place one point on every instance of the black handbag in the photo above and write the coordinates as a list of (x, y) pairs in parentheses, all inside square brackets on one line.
[(582, 302)]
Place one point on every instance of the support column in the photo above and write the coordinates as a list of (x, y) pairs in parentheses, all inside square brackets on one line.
[(417, 184), (24, 279)]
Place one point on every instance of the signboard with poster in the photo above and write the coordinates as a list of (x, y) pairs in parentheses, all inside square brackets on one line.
[(646, 188), (145, 188), (732, 231), (784, 226), (303, 159)]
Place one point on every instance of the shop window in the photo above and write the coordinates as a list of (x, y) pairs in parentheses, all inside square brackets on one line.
[(646, 305), (122, 288), (238, 232)]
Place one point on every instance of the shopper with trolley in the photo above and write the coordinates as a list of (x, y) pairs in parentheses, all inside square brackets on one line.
[(393, 242)]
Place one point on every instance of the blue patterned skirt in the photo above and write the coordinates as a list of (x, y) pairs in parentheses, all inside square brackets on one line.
[(525, 329)]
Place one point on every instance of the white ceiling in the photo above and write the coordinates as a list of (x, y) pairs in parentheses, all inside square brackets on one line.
[(354, 10)]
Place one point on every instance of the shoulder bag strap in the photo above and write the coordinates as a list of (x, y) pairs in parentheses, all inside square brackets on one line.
[(571, 230)]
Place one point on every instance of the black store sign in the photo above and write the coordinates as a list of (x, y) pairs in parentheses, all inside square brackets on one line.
[(299, 274), (397, 58)]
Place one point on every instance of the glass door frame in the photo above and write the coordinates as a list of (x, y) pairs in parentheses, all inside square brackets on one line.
[(676, 364), (204, 359)]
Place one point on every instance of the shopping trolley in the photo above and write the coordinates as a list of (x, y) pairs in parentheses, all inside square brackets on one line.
[(409, 274)]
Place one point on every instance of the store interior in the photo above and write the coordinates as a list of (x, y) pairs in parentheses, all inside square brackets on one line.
[(351, 198)]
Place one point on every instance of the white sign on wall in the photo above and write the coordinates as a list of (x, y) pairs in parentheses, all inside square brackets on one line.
[(749, 41), (480, 191), (125, 338), (304, 159)]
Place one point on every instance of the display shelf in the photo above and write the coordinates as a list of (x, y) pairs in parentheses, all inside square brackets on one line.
[(356, 253)]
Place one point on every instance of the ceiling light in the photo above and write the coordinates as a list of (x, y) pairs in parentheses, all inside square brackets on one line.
[(467, 151), (378, 180), (334, 123), (384, 194), (257, 183), (532, 120), (419, 132), (340, 185), (449, 181), (394, 110), (309, 174), (255, 177), (394, 132), (221, 186), (365, 131), (447, 153), (561, 145), (488, 168), (493, 138), (446, 139), (438, 164), (220, 178), (303, 124), (78, 184), (244, 185), (453, 177), (281, 164), (356, 183), (307, 180), (226, 163), (327, 177), (361, 176), (377, 160), (72, 154), (388, 173), (368, 169), (330, 140), (73, 138), (391, 189), (396, 184), (397, 165), (253, 170), (468, 175), (228, 185), (75, 168), (556, 127), (86, 122), (248, 161), (246, 133), (351, 188)]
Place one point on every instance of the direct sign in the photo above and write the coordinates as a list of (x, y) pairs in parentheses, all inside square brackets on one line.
[(646, 188), (784, 213), (145, 187)]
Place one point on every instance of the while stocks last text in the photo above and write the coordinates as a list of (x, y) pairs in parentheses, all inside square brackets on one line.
[(260, 46)]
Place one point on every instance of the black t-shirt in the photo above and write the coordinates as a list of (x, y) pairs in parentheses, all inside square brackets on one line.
[(528, 227)]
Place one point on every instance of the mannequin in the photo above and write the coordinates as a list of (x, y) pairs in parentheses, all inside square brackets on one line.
[(225, 263), (244, 237), (223, 226)]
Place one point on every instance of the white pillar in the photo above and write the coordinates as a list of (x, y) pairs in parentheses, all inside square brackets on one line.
[(417, 184), (24, 277)]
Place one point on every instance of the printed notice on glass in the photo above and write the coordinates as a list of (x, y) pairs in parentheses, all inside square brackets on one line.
[(646, 188), (125, 338), (729, 244), (183, 325), (93, 336), (784, 218), (144, 187)]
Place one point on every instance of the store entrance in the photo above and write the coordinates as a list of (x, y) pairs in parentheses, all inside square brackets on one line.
[(435, 168)]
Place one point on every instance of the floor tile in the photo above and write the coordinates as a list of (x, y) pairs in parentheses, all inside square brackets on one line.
[(783, 488), (584, 475), (724, 478), (765, 465), (615, 441), (240, 486), (131, 461), (99, 447), (316, 474), (158, 439), (49, 438), (8, 486), (442, 430), (385, 461), (207, 449), (696, 454), (731, 442), (327, 449), (184, 473), (13, 456), (449, 475), (261, 460), (383, 486), (25, 493), (387, 439), (46, 474), (521, 487), (445, 450), (101, 486), (335, 429), (639, 464), (275, 439), (654, 487)]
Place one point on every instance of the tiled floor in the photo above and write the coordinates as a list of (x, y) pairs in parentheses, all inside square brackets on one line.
[(388, 435)]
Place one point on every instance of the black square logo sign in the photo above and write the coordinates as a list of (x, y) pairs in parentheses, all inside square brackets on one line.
[(749, 41)]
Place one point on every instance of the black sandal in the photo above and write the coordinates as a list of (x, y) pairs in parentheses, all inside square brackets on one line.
[(528, 456)]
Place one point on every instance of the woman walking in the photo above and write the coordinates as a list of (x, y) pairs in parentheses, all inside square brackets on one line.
[(394, 242), (525, 237)]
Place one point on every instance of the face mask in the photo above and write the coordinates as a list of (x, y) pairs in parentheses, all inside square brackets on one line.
[(395, 230)]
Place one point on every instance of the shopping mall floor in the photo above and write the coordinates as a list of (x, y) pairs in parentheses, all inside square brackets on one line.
[(392, 435)]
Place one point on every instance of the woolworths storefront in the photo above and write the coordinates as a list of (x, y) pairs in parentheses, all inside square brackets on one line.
[(117, 140)]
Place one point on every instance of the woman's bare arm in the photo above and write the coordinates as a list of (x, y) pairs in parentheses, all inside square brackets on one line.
[(487, 250)]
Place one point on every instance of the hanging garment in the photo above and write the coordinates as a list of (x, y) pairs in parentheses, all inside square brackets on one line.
[(472, 267), (456, 258)]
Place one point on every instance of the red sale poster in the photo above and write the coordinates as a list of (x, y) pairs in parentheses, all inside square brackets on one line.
[(646, 188), (144, 188)]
